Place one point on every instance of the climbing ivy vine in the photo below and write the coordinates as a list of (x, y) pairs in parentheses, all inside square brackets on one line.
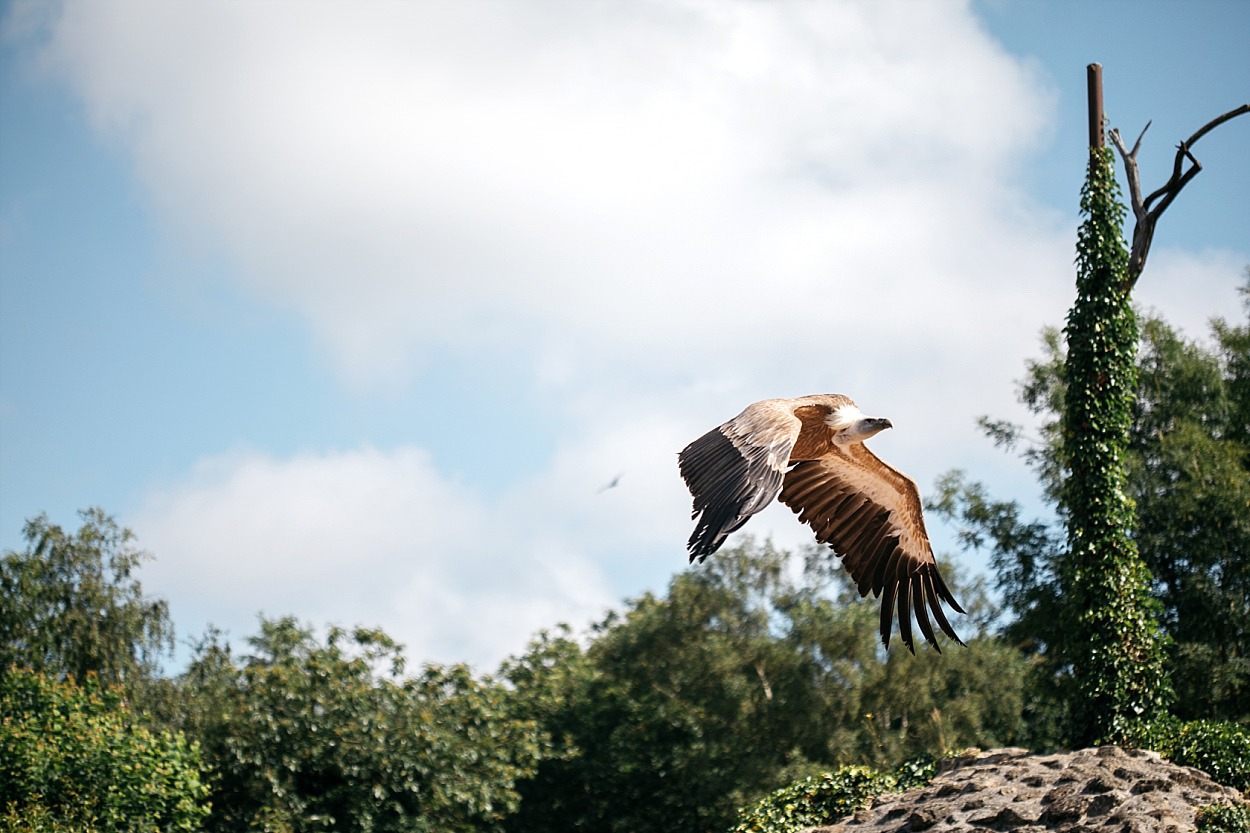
[(1113, 645)]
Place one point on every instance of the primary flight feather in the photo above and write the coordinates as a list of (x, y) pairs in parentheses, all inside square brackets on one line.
[(810, 451)]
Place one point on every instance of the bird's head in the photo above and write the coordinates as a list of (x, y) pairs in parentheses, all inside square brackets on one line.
[(864, 428)]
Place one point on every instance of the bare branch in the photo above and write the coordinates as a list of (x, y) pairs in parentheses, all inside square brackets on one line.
[(1174, 185), (1216, 122), (1140, 136), (1145, 211), (1130, 171)]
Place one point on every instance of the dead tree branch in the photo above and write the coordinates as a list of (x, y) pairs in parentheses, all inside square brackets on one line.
[(1147, 211)]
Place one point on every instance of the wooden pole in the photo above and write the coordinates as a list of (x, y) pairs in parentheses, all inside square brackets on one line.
[(1093, 80)]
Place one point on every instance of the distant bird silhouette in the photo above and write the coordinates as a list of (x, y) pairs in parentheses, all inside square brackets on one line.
[(612, 484), (810, 451)]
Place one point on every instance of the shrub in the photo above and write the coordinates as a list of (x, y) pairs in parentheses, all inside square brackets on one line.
[(1224, 818), (1218, 748), (825, 798)]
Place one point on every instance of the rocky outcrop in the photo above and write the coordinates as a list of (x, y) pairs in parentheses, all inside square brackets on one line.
[(1106, 789)]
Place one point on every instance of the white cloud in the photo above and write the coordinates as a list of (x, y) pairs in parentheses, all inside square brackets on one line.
[(647, 177), (782, 197), (359, 537)]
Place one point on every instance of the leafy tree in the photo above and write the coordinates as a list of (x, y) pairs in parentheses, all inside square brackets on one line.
[(1191, 476), (72, 606), (70, 759), (308, 736), (753, 670), (674, 707), (1188, 471)]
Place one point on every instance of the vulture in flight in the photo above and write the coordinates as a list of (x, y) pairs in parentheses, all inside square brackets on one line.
[(811, 451)]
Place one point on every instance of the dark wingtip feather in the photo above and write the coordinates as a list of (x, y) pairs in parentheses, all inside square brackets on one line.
[(945, 625), (705, 540), (887, 614), (904, 615), (921, 589), (945, 592)]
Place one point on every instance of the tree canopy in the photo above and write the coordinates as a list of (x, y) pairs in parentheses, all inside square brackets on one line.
[(1188, 472), (72, 606), (72, 760), (310, 735), (751, 670)]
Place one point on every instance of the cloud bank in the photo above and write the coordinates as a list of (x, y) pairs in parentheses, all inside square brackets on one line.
[(642, 178), (359, 537)]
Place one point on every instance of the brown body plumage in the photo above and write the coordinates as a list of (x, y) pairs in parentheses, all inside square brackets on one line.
[(810, 451)]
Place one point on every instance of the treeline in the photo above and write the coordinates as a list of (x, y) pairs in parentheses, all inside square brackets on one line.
[(671, 713), (754, 670)]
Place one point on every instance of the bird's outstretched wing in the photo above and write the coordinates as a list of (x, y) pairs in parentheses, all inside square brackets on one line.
[(735, 470), (870, 514)]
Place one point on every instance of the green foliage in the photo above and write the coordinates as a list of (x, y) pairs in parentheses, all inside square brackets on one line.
[(70, 760), (72, 607), (1191, 472), (822, 800), (674, 709), (748, 674), (38, 819), (308, 736), (1110, 638), (1218, 748), (753, 670), (1188, 465), (915, 772), (1224, 818), (815, 801)]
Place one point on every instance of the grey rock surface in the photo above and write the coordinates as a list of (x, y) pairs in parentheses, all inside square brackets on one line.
[(1106, 789)]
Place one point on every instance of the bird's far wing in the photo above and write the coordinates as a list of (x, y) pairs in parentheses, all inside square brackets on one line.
[(735, 470), (870, 514)]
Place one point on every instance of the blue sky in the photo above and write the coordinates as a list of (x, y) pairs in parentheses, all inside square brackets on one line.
[(350, 310)]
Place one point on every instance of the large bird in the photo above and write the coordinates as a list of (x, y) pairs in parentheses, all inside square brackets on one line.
[(810, 450)]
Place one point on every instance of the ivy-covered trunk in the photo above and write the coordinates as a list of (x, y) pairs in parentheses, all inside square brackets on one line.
[(1113, 646)]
